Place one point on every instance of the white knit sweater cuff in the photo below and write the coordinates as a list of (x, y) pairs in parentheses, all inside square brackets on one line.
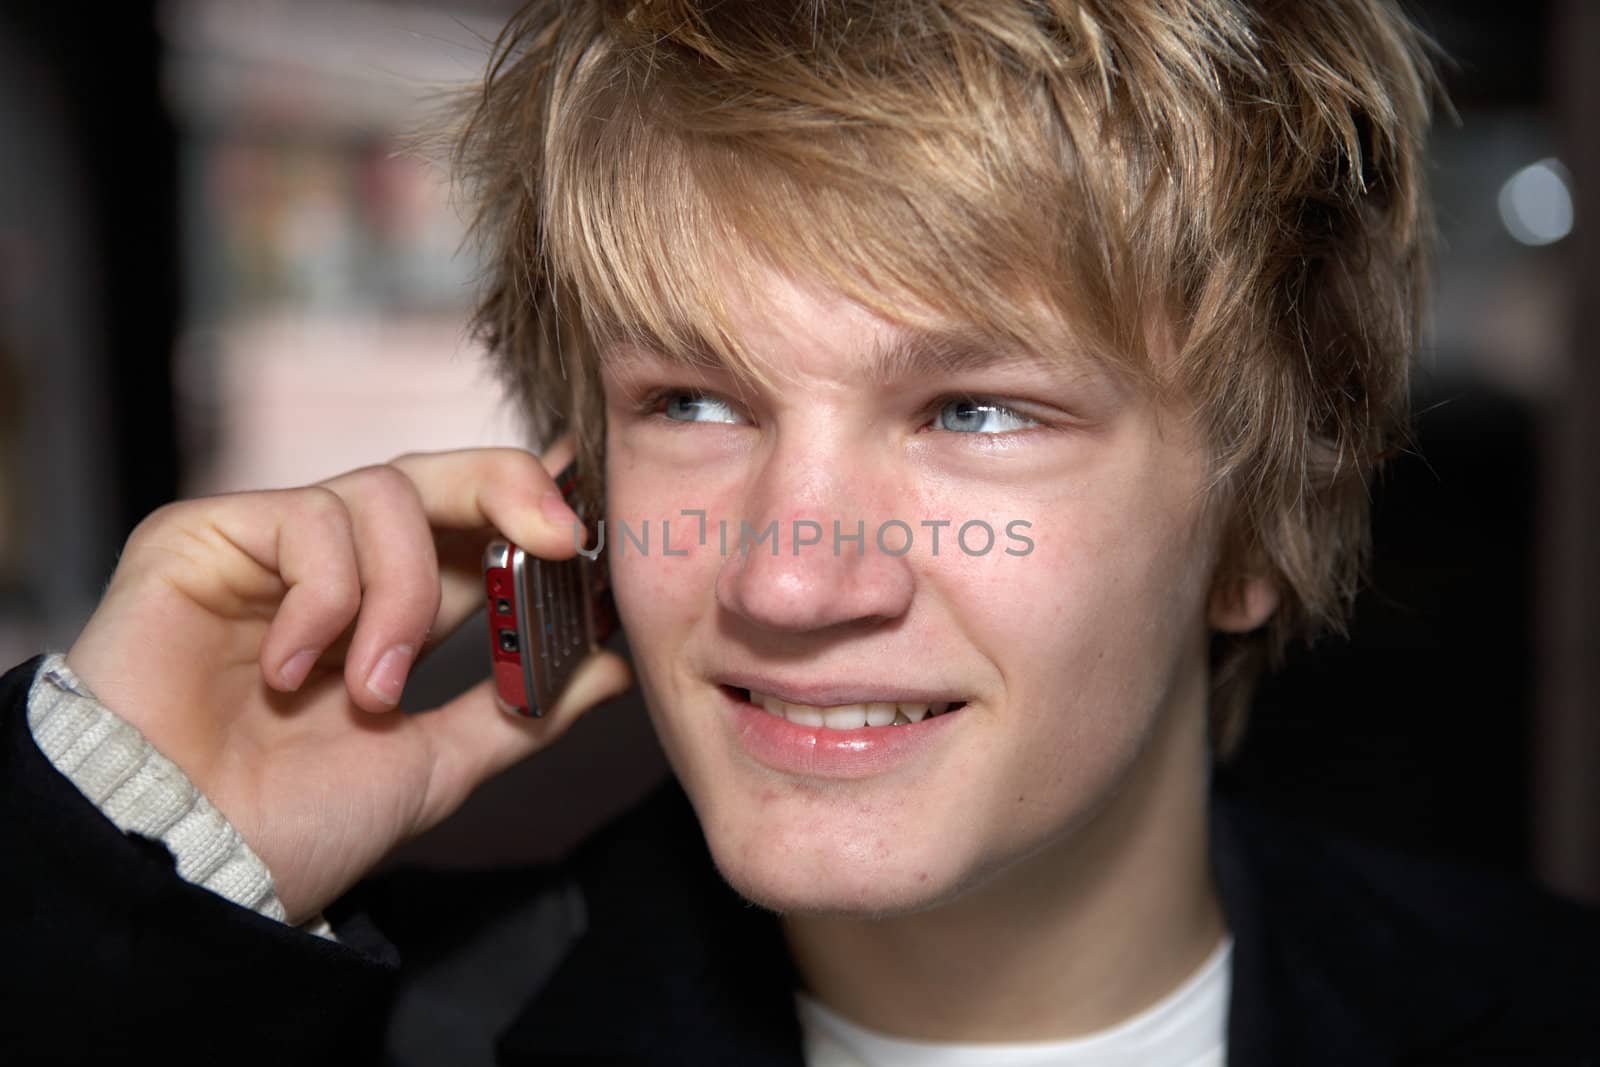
[(143, 792)]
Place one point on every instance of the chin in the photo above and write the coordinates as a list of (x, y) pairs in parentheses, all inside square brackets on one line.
[(808, 870), (779, 891)]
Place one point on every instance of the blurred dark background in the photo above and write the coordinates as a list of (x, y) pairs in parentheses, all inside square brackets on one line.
[(224, 265)]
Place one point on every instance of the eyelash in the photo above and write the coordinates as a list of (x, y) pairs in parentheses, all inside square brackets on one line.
[(651, 405), (931, 412), (653, 402)]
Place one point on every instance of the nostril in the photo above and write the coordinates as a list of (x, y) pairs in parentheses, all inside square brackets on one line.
[(827, 585)]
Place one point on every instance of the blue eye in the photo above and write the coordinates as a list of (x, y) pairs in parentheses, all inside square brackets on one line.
[(977, 416), (683, 406)]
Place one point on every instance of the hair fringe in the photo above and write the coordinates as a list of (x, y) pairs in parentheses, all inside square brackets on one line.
[(1249, 172)]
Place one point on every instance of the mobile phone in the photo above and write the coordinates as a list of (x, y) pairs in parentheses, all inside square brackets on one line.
[(545, 617)]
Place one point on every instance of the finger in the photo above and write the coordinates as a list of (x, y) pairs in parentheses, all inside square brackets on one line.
[(276, 569), (504, 489), (461, 532), (399, 574), (304, 537), (474, 739)]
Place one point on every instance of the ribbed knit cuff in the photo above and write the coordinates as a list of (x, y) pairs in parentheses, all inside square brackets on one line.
[(143, 792)]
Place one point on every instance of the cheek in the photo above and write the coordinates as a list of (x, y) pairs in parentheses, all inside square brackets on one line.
[(669, 520), (1094, 617), (663, 581), (661, 572)]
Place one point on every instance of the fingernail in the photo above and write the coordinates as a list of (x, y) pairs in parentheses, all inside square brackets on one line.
[(388, 679), (296, 667), (556, 509)]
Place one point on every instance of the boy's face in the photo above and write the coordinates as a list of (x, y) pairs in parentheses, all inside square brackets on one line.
[(1073, 642)]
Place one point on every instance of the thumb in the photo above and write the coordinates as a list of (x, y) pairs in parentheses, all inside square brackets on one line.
[(473, 738)]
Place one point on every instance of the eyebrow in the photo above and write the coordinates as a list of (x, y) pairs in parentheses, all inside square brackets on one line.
[(922, 353), (620, 354), (910, 354)]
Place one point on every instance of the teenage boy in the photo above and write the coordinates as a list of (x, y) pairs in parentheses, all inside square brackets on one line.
[(1130, 287)]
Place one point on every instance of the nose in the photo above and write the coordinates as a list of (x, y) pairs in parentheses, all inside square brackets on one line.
[(807, 555)]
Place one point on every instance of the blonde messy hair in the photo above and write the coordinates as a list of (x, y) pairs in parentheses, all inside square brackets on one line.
[(1246, 172)]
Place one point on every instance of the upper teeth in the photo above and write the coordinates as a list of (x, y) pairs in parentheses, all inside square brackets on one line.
[(848, 716)]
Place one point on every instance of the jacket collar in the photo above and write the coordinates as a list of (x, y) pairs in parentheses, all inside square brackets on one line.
[(1328, 968), (676, 968)]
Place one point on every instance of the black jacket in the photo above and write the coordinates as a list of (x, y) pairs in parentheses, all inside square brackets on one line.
[(635, 951)]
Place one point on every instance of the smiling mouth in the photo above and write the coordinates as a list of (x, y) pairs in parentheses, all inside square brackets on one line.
[(845, 716)]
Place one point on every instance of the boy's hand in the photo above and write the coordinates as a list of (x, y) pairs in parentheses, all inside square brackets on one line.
[(260, 641)]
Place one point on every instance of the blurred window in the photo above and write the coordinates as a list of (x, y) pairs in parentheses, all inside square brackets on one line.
[(328, 282)]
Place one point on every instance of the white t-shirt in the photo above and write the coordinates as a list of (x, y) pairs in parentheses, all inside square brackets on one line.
[(1186, 1028)]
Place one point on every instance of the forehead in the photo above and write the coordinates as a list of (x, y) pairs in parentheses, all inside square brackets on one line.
[(781, 326)]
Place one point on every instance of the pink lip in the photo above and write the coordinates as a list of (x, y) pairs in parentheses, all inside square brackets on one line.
[(814, 752)]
